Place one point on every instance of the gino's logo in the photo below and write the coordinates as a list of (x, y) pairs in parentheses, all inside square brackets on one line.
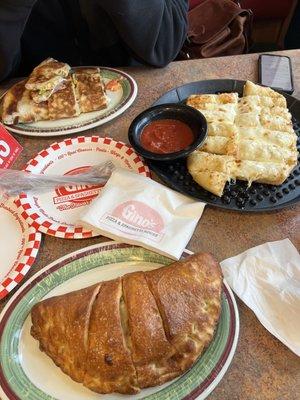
[(140, 215), (76, 193)]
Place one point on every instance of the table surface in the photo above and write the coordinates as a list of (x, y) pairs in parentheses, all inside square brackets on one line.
[(262, 368)]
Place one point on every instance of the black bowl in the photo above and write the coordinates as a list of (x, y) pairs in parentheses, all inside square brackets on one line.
[(193, 118)]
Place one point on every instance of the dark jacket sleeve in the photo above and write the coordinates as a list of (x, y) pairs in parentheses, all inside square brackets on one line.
[(154, 30), (13, 17)]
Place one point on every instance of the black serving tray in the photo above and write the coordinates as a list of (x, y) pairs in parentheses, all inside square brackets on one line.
[(237, 196)]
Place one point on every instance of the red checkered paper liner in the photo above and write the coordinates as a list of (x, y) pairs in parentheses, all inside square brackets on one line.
[(39, 221), (31, 244)]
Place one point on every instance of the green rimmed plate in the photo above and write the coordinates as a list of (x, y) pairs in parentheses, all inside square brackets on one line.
[(119, 101), (27, 373)]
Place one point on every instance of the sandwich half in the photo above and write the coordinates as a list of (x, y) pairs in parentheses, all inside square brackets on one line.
[(89, 88)]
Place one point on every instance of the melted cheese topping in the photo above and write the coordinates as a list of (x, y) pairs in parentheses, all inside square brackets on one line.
[(256, 131)]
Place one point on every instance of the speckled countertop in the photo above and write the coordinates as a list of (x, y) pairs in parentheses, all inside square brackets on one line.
[(262, 368)]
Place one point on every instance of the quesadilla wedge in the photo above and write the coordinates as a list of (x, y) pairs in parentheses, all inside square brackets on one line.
[(47, 78), (18, 106), (63, 103), (52, 92), (89, 88)]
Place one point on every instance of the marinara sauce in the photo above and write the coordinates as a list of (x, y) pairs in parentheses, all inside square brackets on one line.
[(166, 136)]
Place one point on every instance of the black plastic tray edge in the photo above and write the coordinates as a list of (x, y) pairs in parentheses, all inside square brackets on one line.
[(266, 210), (291, 102)]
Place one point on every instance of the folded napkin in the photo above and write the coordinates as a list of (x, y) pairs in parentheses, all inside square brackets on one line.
[(137, 210), (267, 279)]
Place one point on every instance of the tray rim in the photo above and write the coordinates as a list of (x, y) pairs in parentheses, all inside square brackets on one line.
[(234, 82)]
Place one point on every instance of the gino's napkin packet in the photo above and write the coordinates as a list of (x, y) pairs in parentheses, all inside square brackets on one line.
[(137, 210)]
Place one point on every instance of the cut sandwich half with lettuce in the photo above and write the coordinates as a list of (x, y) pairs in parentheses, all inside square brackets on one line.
[(47, 78)]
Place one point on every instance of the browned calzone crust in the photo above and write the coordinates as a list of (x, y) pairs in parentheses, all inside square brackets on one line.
[(153, 355), (109, 366), (140, 330), (61, 324)]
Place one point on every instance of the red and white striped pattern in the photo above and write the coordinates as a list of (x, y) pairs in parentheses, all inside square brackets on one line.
[(32, 241), (39, 221)]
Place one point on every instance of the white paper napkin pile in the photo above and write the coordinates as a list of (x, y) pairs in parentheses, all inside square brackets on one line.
[(267, 279)]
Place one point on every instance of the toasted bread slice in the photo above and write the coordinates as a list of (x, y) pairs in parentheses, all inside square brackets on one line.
[(63, 103), (90, 90), (47, 78), (47, 74)]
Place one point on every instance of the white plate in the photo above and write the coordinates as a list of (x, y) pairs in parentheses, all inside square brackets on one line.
[(27, 373), (19, 245), (56, 212), (119, 101)]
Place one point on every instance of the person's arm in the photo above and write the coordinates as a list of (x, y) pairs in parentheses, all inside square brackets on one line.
[(13, 17), (154, 30)]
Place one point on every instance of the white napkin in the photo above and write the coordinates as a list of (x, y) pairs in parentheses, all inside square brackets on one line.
[(267, 279), (137, 210)]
